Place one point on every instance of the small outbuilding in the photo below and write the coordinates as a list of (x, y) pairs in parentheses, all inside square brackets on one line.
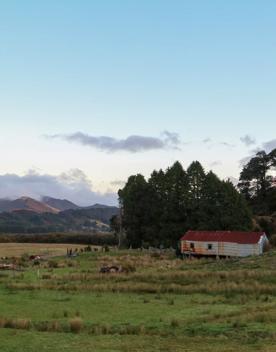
[(223, 243)]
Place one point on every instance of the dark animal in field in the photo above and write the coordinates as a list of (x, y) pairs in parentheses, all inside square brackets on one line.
[(110, 269), (34, 257)]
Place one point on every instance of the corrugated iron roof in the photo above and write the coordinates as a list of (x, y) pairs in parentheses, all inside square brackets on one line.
[(223, 236)]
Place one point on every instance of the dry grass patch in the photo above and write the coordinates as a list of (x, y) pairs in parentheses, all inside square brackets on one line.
[(76, 325)]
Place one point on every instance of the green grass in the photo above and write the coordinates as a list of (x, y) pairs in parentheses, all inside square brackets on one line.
[(165, 305)]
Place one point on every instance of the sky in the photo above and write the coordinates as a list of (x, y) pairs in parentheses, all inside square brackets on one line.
[(92, 92)]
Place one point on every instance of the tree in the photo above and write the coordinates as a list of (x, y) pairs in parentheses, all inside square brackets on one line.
[(174, 219), (235, 212), (223, 207), (135, 199), (157, 183), (196, 178), (158, 211), (256, 182)]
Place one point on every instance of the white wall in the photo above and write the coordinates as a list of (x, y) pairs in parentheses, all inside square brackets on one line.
[(224, 248)]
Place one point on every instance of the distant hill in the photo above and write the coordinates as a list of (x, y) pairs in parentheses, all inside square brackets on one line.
[(103, 214), (97, 205), (60, 204), (26, 203), (27, 215)]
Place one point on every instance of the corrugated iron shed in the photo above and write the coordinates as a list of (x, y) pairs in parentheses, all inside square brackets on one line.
[(223, 243)]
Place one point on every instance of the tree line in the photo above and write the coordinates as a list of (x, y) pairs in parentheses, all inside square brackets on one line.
[(96, 239), (159, 210)]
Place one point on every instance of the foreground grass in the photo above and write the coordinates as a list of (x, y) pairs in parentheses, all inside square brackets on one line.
[(32, 342), (160, 304)]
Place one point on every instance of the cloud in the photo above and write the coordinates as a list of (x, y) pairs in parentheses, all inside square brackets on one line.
[(226, 144), (266, 146), (73, 185), (215, 163), (118, 183), (248, 140), (132, 144), (269, 145), (207, 140)]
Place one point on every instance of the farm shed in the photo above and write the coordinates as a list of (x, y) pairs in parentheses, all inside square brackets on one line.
[(223, 243)]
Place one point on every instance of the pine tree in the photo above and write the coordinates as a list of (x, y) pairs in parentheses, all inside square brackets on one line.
[(134, 201), (196, 178)]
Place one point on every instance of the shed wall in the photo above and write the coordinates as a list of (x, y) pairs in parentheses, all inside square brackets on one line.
[(221, 248)]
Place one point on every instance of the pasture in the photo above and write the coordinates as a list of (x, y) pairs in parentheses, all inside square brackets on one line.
[(49, 249), (157, 303)]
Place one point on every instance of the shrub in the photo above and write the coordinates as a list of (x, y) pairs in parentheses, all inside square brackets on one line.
[(128, 268), (55, 326), (76, 325), (175, 323), (46, 276), (65, 314), (53, 264), (273, 240)]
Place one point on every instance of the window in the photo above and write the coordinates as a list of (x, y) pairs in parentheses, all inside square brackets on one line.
[(210, 246), (192, 245)]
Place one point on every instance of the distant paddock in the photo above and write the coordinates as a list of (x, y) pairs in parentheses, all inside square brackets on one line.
[(51, 249)]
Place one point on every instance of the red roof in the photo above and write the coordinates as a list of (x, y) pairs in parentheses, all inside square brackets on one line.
[(223, 236)]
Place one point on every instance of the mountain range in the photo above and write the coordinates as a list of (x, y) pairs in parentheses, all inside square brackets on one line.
[(45, 205), (26, 203), (50, 214)]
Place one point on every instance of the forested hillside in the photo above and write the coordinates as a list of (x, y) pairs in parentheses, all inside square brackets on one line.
[(24, 221)]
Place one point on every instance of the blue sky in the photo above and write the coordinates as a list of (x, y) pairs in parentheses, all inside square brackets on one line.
[(205, 70)]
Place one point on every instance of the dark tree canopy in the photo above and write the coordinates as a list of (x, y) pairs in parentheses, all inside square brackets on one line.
[(256, 182), (158, 211)]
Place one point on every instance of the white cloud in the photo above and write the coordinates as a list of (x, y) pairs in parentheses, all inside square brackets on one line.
[(118, 183), (73, 185), (215, 163)]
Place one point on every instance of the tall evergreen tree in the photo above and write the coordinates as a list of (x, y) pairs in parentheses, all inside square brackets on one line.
[(223, 207), (174, 219), (134, 199), (158, 202), (256, 182), (196, 178)]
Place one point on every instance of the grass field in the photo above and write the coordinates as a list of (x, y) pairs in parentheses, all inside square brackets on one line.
[(159, 303), (52, 249)]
